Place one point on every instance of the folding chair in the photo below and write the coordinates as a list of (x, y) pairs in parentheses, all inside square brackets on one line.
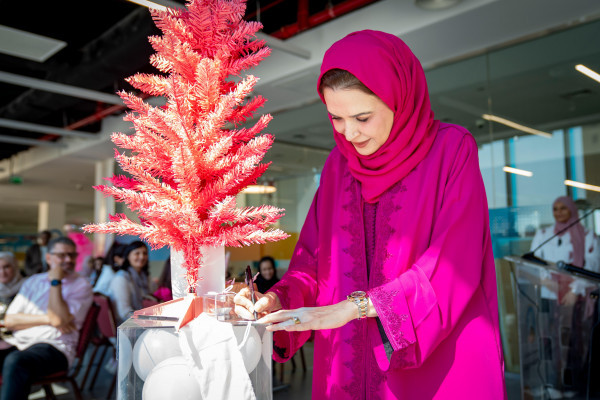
[(107, 328)]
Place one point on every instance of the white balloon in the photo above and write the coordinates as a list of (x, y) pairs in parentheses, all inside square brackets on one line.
[(123, 356), (252, 350), (267, 348), (152, 347), (171, 379)]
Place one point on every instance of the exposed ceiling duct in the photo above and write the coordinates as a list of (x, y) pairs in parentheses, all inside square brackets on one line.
[(96, 70), (99, 66)]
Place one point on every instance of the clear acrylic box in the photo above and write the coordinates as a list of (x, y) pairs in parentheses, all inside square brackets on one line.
[(148, 353)]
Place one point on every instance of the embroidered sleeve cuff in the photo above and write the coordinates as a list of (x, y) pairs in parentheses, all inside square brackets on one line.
[(393, 311)]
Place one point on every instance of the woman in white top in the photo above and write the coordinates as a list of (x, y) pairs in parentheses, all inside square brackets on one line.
[(130, 284), (579, 247), (575, 245), (112, 263)]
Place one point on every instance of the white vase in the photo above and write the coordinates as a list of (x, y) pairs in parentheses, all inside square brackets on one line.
[(211, 274)]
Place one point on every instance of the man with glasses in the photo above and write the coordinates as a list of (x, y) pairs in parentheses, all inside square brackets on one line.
[(45, 319)]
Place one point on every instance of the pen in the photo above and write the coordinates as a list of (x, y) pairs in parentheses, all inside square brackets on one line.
[(250, 283)]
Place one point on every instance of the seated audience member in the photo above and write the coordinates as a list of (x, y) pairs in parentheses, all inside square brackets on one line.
[(45, 318), (112, 263), (164, 291), (35, 260), (130, 284), (96, 265), (267, 276), (10, 278)]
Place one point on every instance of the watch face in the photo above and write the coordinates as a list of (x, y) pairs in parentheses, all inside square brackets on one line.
[(359, 294)]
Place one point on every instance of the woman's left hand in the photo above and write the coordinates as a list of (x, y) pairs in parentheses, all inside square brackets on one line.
[(312, 318)]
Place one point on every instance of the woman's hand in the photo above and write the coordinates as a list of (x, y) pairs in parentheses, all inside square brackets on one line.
[(265, 304), (312, 318)]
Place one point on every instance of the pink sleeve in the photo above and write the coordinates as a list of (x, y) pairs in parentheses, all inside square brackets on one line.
[(421, 307), (79, 300), (298, 287)]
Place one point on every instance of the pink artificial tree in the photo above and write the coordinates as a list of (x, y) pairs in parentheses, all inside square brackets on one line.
[(189, 159)]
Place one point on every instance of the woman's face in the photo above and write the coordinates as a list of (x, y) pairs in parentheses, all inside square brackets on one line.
[(561, 212), (7, 272), (98, 262), (266, 269), (362, 118), (138, 258)]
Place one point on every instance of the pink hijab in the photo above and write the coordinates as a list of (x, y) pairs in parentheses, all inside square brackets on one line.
[(385, 64), (577, 231)]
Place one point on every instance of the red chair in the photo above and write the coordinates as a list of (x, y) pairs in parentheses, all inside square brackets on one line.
[(149, 302), (85, 334), (107, 328)]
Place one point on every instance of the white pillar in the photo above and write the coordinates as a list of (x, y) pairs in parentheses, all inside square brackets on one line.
[(240, 200), (103, 206), (51, 215)]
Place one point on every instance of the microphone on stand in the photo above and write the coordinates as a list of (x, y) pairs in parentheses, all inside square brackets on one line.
[(580, 271), (530, 255)]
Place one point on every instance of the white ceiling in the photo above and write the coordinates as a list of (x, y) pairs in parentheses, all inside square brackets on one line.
[(288, 82)]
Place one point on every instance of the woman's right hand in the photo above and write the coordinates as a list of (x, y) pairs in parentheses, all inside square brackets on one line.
[(265, 304)]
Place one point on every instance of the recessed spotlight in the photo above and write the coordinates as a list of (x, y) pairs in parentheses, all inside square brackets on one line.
[(517, 171), (582, 185), (259, 189), (436, 4), (589, 72), (514, 125)]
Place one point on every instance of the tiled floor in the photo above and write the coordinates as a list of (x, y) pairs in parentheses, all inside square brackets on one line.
[(300, 383)]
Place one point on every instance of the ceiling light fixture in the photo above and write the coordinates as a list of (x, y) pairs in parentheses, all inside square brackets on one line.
[(46, 129), (30, 142), (436, 4), (149, 4), (517, 171), (582, 185), (259, 189), (588, 72), (60, 88), (28, 45), (516, 126)]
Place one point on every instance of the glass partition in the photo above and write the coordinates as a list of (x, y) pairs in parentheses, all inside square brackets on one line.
[(536, 121)]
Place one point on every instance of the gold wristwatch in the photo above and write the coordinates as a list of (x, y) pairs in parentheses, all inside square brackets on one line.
[(362, 302)]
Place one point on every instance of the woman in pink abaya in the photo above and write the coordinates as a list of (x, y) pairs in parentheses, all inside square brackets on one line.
[(401, 215)]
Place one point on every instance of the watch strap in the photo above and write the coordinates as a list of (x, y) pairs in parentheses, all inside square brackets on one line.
[(362, 302), (363, 305)]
